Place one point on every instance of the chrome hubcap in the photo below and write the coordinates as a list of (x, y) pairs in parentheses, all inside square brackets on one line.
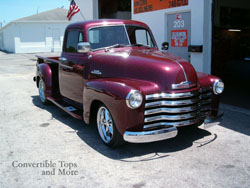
[(41, 91), (105, 124)]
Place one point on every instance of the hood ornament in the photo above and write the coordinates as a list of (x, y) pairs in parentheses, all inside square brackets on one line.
[(184, 85)]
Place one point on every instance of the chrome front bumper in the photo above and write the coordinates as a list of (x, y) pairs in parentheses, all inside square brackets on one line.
[(163, 134), (150, 136)]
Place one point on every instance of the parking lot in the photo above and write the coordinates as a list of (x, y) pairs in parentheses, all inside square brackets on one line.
[(42, 146)]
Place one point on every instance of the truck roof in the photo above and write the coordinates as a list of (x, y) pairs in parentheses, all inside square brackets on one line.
[(104, 22)]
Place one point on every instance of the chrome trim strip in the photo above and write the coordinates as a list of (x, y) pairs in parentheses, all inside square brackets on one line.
[(171, 110), (176, 124), (97, 72), (150, 136), (185, 74), (62, 59), (171, 95), (170, 117), (127, 34), (171, 103)]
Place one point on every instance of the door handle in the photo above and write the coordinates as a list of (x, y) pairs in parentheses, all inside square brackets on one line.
[(62, 59)]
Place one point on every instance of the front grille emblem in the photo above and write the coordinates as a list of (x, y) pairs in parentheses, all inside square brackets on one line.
[(184, 85)]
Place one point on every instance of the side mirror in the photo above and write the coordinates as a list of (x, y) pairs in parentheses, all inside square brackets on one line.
[(83, 47), (165, 46)]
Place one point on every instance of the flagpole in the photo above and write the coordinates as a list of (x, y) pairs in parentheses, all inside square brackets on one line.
[(82, 15)]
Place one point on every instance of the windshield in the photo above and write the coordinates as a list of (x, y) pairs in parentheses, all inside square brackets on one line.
[(118, 36)]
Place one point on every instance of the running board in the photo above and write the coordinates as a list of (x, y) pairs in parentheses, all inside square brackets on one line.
[(71, 110)]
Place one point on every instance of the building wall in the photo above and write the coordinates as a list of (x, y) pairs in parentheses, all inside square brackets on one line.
[(33, 37), (48, 38), (88, 10), (201, 29), (7, 38)]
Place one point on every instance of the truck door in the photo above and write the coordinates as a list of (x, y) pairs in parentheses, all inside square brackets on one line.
[(178, 29), (71, 67)]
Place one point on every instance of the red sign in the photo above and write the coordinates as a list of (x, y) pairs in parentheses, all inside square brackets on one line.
[(152, 5), (178, 16), (179, 38)]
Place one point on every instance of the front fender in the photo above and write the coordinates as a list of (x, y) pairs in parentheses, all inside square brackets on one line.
[(112, 93), (207, 81), (44, 73)]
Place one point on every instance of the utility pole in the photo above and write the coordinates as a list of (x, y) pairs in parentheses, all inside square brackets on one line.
[(37, 10)]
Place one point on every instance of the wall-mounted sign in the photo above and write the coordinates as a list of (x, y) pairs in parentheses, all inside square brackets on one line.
[(152, 5), (179, 38)]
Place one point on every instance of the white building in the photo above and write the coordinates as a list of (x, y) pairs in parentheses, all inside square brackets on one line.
[(38, 33)]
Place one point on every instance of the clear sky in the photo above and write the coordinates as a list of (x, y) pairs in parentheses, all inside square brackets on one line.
[(14, 9)]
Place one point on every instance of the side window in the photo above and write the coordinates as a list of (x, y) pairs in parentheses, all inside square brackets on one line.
[(73, 38), (80, 37), (141, 36)]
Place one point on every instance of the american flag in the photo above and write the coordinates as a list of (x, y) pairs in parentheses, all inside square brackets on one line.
[(73, 9)]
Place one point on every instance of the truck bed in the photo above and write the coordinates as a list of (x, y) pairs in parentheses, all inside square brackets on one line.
[(42, 59)]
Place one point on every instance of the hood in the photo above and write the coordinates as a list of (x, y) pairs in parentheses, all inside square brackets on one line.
[(160, 68)]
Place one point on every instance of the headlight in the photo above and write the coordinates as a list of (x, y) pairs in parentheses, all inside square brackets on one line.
[(218, 87), (134, 99)]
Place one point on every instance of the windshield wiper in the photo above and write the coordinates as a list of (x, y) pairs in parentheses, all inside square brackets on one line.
[(140, 45), (116, 46)]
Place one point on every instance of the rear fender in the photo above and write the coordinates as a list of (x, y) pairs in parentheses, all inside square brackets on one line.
[(44, 73)]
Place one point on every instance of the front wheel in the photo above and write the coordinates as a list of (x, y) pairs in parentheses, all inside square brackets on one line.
[(107, 128), (42, 95)]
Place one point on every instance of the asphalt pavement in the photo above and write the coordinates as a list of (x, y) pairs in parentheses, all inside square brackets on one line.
[(44, 147)]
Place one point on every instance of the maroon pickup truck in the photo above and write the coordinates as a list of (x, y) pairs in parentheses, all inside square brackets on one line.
[(112, 73)]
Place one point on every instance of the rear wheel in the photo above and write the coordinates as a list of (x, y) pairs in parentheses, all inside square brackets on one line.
[(107, 128), (41, 89)]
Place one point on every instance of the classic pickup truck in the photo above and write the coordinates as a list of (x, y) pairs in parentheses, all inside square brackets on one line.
[(112, 74)]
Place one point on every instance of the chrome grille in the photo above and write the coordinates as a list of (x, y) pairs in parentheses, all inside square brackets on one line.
[(176, 109)]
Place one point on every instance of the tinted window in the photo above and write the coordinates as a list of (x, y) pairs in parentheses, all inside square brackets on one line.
[(73, 38)]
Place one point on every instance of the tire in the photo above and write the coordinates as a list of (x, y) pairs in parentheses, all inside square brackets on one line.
[(106, 127), (41, 90)]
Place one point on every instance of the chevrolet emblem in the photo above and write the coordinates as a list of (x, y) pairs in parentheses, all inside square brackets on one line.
[(184, 85)]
